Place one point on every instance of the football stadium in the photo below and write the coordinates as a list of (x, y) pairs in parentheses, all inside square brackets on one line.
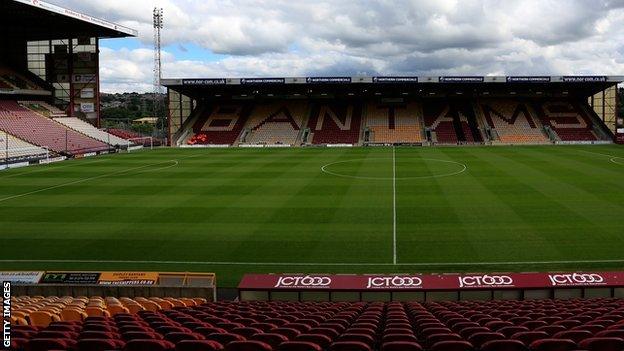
[(338, 213)]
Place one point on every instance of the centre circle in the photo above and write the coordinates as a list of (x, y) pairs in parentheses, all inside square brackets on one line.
[(385, 168)]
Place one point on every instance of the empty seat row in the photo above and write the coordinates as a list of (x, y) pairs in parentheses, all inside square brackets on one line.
[(194, 324)]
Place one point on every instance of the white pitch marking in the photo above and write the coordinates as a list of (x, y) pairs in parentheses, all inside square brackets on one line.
[(226, 263), (325, 170), (53, 168), (85, 180), (613, 159), (394, 212), (102, 176)]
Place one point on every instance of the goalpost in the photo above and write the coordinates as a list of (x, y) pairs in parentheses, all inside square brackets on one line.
[(139, 143), (14, 155)]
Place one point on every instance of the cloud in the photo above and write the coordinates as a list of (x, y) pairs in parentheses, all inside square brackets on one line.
[(344, 37)]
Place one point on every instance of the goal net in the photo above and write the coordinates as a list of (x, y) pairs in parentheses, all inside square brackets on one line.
[(23, 153)]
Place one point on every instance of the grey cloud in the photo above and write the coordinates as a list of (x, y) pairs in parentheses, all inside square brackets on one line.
[(286, 38)]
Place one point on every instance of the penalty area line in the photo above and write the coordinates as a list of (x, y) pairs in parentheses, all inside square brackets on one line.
[(235, 263), (78, 181)]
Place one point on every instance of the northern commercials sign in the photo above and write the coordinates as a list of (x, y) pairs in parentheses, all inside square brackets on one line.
[(314, 80), (388, 79), (461, 79), (431, 282)]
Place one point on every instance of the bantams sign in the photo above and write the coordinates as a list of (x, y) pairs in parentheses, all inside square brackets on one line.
[(430, 282)]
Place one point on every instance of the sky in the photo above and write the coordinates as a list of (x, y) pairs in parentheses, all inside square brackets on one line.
[(275, 38)]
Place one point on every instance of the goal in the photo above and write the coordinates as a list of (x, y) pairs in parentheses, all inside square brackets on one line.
[(139, 143), (14, 155)]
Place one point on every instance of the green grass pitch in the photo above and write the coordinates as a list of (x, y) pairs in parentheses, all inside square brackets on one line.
[(231, 211)]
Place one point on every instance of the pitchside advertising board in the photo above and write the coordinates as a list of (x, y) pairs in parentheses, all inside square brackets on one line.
[(81, 278), (21, 277), (74, 278), (128, 278), (619, 130), (423, 282)]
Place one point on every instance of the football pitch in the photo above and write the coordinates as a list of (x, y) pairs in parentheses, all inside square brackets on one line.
[(342, 210)]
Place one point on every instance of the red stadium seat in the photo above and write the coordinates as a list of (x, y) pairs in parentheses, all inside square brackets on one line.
[(54, 334), (149, 345), (400, 346), (613, 333), (50, 344), (399, 337), (435, 338), (529, 337), (575, 335), (225, 338), (329, 332), (363, 338), (249, 345), (198, 345), (551, 329), (176, 337), (503, 345), (452, 346), (553, 345), (269, 338), (247, 332), (18, 344), (478, 339), (509, 331), (349, 346), (602, 344), (322, 340), (99, 344), (290, 333), (299, 346), (141, 335)]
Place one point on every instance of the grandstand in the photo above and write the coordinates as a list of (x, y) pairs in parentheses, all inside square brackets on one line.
[(567, 119), (194, 324), (395, 124), (361, 214), (89, 130), (275, 123), (45, 132), (512, 122), (46, 106), (14, 148), (427, 111), (335, 123), (221, 125)]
